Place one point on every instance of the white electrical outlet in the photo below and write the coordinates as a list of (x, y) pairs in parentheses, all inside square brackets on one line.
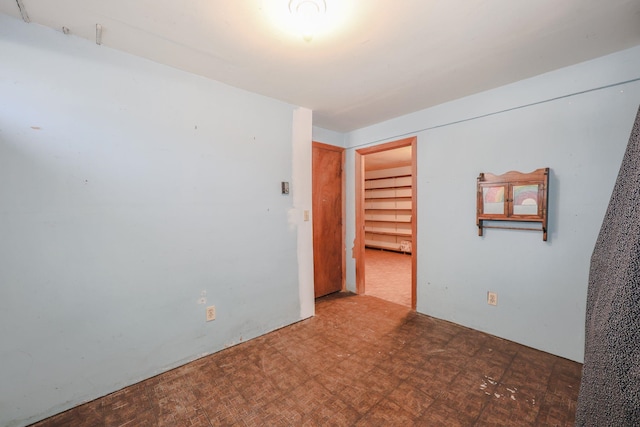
[(211, 313), (492, 298)]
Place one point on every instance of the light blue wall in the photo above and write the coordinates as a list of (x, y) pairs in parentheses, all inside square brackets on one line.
[(128, 192), (328, 136), (567, 120)]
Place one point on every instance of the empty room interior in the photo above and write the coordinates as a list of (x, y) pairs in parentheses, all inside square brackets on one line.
[(311, 212)]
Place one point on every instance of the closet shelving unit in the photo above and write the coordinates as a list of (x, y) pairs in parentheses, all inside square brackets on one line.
[(387, 204)]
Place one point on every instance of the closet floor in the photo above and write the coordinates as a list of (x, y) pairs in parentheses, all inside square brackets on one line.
[(388, 276)]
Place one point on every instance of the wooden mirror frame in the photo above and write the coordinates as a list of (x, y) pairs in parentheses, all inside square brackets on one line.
[(515, 197)]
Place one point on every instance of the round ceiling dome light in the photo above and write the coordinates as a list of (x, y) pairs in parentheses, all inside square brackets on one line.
[(309, 15)]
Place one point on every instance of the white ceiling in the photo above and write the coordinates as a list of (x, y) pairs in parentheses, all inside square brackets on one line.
[(381, 59), (388, 159)]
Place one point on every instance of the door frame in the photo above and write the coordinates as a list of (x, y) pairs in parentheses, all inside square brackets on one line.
[(360, 234), (343, 257)]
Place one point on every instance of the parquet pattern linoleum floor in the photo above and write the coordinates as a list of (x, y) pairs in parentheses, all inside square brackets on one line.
[(360, 361)]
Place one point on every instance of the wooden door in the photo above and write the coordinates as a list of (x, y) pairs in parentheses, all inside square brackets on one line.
[(328, 208)]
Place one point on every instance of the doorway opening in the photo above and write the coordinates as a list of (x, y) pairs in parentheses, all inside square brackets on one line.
[(385, 248)]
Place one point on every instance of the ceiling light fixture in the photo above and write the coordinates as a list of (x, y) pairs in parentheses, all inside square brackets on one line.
[(309, 15)]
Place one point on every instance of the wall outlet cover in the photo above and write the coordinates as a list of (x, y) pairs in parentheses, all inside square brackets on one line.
[(492, 298), (211, 313)]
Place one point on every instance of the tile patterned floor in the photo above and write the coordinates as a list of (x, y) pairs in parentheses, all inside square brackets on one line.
[(388, 275), (360, 361)]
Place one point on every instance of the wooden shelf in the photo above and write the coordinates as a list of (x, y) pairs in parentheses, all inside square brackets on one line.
[(387, 205), (388, 209), (374, 216), (388, 173), (388, 193), (382, 245), (404, 181), (389, 232)]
